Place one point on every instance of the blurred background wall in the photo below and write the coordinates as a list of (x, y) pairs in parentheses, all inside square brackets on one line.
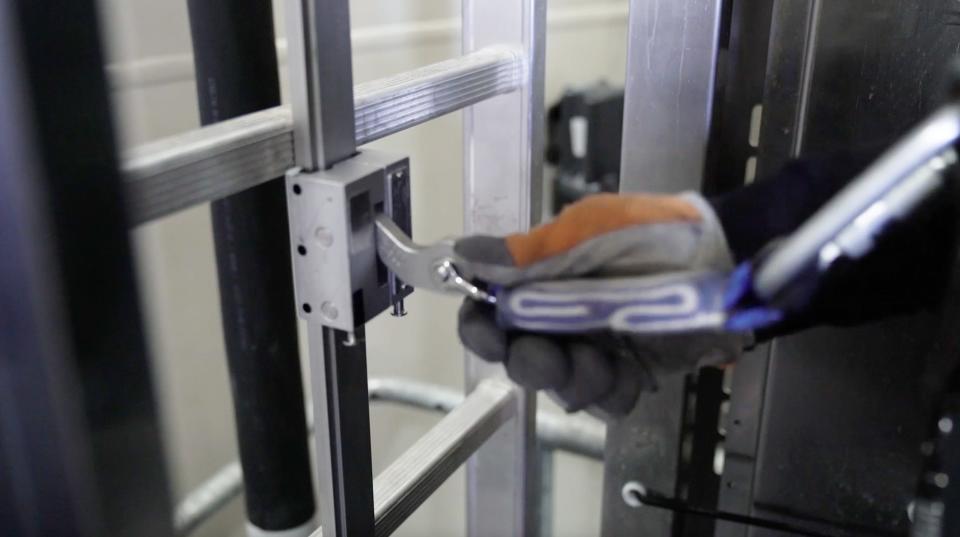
[(150, 68)]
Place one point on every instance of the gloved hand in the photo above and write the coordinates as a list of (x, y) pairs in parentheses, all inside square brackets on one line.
[(600, 236)]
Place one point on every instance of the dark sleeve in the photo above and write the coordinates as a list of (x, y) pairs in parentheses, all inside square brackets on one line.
[(907, 271)]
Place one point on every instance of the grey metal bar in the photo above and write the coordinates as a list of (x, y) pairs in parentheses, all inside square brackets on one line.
[(321, 81), (210, 163), (668, 100), (416, 474), (668, 108), (396, 103), (575, 434), (207, 164), (503, 178)]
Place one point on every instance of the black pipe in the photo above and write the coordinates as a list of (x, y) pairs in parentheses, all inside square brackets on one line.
[(236, 69)]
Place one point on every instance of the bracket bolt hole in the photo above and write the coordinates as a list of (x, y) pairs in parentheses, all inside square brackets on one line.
[(307, 308), (297, 190), (302, 250)]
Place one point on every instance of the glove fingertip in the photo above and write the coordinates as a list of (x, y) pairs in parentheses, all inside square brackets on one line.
[(632, 379), (537, 363), (592, 377), (479, 332)]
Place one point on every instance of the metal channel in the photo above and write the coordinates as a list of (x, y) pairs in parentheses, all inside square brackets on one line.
[(503, 176), (413, 477), (210, 163), (668, 107), (321, 81)]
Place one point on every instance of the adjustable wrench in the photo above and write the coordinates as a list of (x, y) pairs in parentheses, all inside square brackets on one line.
[(667, 303)]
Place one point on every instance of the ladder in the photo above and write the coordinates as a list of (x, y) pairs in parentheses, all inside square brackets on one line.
[(497, 82)]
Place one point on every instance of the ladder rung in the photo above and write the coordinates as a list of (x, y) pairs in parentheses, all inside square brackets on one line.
[(412, 478), (213, 162)]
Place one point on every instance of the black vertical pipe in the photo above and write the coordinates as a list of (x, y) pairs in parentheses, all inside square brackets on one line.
[(236, 69)]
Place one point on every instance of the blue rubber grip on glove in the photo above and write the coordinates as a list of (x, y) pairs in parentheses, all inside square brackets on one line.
[(663, 303)]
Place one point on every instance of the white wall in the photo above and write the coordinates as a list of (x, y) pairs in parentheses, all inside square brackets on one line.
[(154, 92)]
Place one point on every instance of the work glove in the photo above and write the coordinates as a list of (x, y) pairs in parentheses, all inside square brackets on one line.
[(604, 235)]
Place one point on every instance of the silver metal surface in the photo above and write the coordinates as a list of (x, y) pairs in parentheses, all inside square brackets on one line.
[(668, 107), (321, 82), (213, 162), (922, 145), (436, 267), (414, 264), (668, 99), (207, 164), (319, 60), (580, 435), (503, 176), (410, 480), (332, 214), (399, 102)]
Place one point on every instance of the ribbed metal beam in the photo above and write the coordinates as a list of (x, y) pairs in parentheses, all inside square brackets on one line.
[(416, 474), (213, 162)]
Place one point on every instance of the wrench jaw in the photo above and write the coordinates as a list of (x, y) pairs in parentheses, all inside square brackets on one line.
[(446, 272), (435, 267)]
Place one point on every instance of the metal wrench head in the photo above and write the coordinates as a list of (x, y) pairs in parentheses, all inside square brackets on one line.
[(436, 267)]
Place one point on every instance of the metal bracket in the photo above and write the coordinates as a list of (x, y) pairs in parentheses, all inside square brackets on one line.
[(340, 282)]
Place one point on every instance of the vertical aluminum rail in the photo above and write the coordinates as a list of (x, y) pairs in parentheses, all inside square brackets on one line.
[(503, 152), (321, 76), (668, 107)]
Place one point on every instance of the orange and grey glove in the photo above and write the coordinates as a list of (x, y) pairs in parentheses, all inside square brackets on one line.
[(601, 236)]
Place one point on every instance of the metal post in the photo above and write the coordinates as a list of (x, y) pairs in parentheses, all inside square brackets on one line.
[(668, 107), (80, 446), (318, 32), (503, 154), (236, 65)]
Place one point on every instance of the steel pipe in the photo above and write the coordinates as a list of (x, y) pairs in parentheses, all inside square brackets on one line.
[(212, 162)]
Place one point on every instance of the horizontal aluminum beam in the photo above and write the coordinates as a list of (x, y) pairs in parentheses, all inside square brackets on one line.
[(580, 435), (213, 162), (415, 475)]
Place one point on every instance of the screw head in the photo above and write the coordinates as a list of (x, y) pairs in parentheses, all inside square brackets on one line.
[(324, 237), (329, 310)]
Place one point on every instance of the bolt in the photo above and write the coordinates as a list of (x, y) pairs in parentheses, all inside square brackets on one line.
[(398, 309), (443, 271), (329, 310), (324, 237)]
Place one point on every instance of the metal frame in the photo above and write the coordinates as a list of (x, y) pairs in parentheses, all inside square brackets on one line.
[(503, 159), (577, 435), (210, 163), (668, 110), (325, 134)]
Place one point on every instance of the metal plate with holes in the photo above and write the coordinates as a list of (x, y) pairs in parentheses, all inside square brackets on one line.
[(340, 282)]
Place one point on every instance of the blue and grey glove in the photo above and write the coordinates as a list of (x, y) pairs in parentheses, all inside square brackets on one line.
[(601, 236)]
